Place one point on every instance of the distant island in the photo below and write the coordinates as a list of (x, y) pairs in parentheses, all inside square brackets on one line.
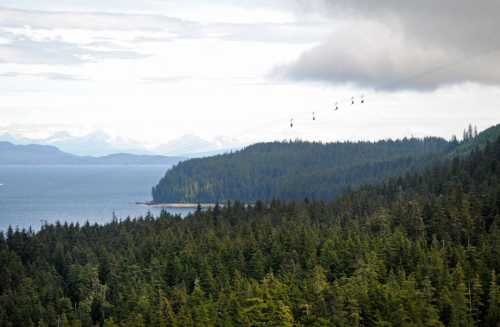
[(36, 154)]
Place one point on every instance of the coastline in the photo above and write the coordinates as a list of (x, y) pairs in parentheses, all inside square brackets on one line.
[(178, 205)]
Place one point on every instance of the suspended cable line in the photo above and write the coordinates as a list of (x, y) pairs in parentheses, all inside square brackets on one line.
[(294, 118)]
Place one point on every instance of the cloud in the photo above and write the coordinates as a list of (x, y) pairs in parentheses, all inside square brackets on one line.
[(46, 75), (21, 49), (288, 33), (389, 45), (18, 18), (152, 39), (75, 37), (168, 79), (158, 28)]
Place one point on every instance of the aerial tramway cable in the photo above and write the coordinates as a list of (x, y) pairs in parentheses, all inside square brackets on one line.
[(389, 85)]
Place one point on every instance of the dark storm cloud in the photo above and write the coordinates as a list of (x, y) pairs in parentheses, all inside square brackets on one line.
[(395, 44)]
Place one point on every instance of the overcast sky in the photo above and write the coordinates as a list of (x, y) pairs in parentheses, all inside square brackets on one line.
[(153, 70)]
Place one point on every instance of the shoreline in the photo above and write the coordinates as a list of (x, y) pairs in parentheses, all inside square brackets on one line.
[(178, 205)]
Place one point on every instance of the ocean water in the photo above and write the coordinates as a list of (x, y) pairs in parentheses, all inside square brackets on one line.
[(32, 194)]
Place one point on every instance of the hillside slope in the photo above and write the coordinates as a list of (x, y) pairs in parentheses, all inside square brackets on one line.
[(294, 170)]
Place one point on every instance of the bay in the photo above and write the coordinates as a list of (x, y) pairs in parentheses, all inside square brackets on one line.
[(30, 194)]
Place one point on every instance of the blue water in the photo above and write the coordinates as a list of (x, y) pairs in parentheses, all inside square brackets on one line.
[(31, 194)]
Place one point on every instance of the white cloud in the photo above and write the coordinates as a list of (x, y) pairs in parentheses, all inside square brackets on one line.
[(23, 48), (38, 19), (74, 37), (44, 75)]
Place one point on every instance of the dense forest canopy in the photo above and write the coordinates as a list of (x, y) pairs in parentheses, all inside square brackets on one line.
[(418, 250), (294, 170)]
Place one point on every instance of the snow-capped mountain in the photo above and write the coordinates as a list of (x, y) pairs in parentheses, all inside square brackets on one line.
[(99, 143), (195, 146), (94, 144)]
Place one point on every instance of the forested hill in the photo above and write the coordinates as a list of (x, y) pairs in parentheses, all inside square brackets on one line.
[(294, 170), (420, 250), (473, 140)]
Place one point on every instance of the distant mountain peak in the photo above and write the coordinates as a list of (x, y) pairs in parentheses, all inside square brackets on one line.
[(99, 143), (96, 143), (194, 146)]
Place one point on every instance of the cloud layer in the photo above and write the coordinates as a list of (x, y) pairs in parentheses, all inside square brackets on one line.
[(10, 17), (21, 49), (45, 75), (74, 37), (393, 44)]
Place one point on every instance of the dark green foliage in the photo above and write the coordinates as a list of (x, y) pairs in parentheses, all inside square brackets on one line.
[(472, 140), (294, 170), (418, 250)]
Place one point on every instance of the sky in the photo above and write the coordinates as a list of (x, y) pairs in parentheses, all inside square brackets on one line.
[(154, 70)]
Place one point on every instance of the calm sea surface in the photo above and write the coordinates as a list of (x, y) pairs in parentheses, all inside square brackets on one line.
[(29, 194)]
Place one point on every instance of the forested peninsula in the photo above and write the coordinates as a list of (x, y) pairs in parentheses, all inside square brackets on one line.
[(294, 170)]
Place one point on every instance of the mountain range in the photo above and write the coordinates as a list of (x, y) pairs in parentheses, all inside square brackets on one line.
[(36, 154), (99, 143)]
